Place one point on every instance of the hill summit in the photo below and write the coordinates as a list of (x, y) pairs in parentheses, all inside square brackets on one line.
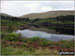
[(47, 14)]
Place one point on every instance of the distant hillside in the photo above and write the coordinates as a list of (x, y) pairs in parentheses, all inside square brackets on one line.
[(48, 14), (3, 14)]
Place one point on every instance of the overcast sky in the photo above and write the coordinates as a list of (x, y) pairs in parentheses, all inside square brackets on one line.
[(18, 8)]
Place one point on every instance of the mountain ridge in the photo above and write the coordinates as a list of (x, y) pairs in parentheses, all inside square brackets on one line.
[(43, 15), (47, 14)]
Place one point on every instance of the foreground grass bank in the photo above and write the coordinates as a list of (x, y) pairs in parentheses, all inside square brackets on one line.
[(14, 44)]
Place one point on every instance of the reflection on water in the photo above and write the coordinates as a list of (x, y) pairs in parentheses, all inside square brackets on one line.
[(54, 37)]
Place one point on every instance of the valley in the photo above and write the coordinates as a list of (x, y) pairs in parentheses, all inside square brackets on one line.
[(32, 36)]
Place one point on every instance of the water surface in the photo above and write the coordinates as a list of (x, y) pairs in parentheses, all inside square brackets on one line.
[(54, 37)]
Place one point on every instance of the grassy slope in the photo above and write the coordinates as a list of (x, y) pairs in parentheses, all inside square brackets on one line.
[(48, 14)]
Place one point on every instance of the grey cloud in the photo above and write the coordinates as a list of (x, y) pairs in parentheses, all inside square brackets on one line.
[(18, 8)]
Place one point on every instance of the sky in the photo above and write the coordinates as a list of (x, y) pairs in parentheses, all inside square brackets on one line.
[(19, 8)]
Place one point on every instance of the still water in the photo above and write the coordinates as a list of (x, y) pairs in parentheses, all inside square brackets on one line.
[(54, 37)]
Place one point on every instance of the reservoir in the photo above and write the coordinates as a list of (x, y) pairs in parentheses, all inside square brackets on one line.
[(54, 37)]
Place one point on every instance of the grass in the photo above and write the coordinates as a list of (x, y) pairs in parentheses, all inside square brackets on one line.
[(31, 46), (46, 52), (0, 47), (23, 51)]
